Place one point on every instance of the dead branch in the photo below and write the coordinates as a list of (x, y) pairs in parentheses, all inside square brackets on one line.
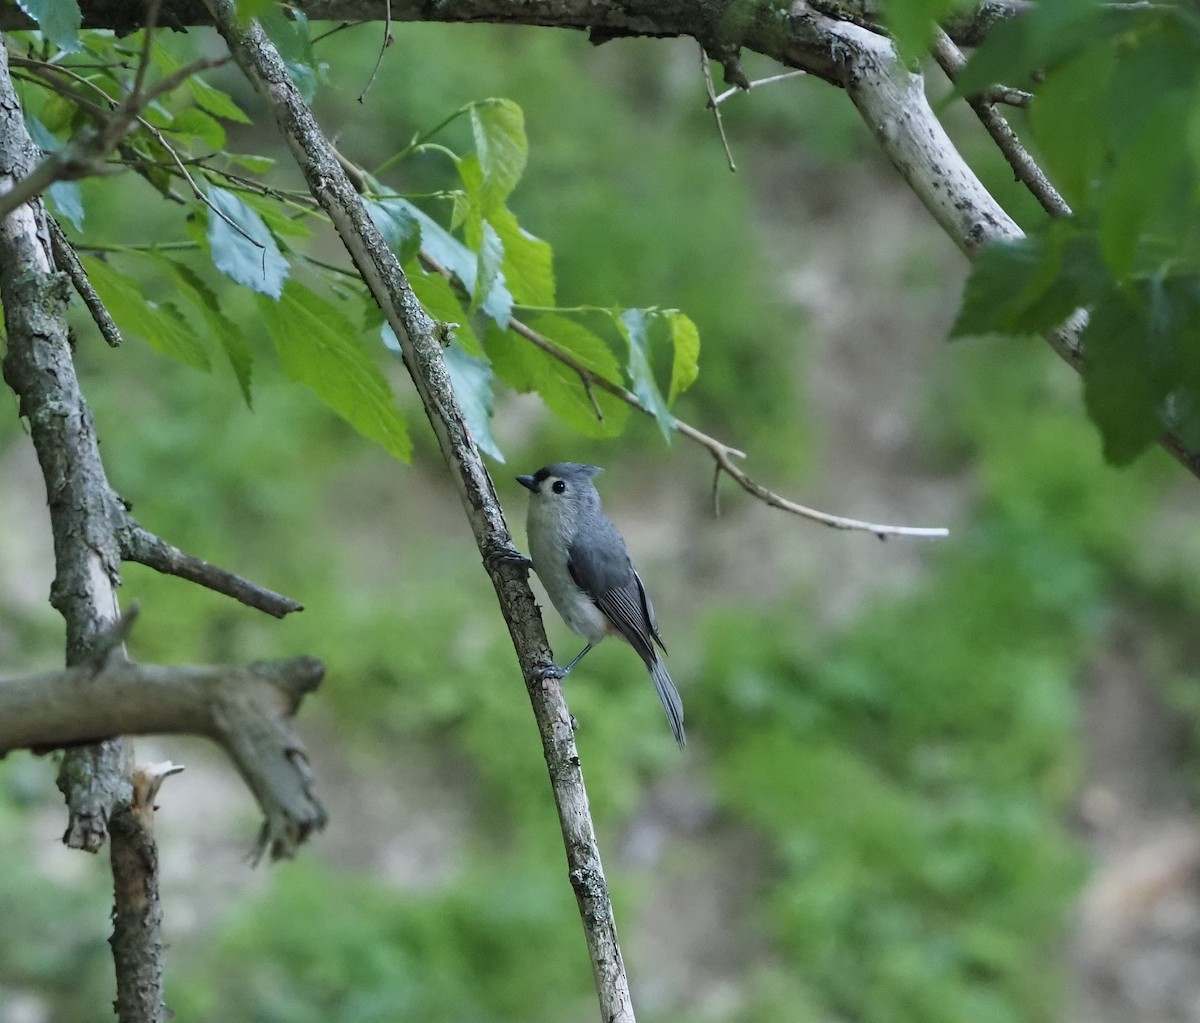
[(245, 709)]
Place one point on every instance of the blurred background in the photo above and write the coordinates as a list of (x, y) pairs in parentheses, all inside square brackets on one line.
[(926, 780)]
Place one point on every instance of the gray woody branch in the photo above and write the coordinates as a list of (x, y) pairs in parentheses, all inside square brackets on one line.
[(91, 531), (623, 17), (96, 779), (261, 64), (245, 709)]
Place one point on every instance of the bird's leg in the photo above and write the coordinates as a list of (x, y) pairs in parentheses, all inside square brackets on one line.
[(497, 553), (554, 671), (578, 658)]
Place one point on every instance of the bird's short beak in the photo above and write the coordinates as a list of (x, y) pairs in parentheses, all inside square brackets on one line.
[(528, 482)]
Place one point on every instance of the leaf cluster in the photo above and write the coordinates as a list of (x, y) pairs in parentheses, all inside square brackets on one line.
[(1114, 118), (474, 268)]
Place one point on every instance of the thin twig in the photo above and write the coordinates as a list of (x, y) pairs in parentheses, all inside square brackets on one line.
[(706, 68), (83, 155), (951, 60), (587, 388), (723, 454), (716, 101), (140, 545), (67, 261), (387, 41), (147, 44)]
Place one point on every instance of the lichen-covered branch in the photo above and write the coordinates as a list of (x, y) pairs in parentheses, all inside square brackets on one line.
[(327, 181), (83, 514)]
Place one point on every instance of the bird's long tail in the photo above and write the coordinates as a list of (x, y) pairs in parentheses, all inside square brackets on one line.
[(669, 695)]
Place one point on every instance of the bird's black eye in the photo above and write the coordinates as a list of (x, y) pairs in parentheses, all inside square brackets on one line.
[(558, 486)]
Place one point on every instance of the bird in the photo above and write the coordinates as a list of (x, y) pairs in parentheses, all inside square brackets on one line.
[(585, 568)]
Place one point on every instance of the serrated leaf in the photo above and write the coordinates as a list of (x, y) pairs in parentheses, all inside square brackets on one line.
[(254, 164), (279, 220), (1064, 117), (472, 382), (487, 268), (1008, 281), (912, 23), (1123, 388), (244, 250), (498, 126), (194, 123), (204, 300), (1146, 177), (58, 20), (293, 41), (66, 198), (438, 298), (634, 327), (468, 204), (461, 261), (319, 347), (1049, 34), (399, 228), (685, 363), (560, 386), (528, 261), (216, 102), (160, 326)]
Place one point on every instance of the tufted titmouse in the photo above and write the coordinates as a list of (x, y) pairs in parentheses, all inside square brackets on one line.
[(583, 564)]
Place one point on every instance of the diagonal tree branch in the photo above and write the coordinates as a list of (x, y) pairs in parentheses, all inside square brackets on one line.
[(422, 354), (142, 546)]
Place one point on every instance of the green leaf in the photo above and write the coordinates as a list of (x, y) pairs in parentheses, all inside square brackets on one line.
[(244, 250), (319, 347), (254, 164), (204, 300), (1146, 182), (280, 220), (499, 129), (560, 386), (487, 268), (461, 261), (216, 102), (468, 204), (1041, 39), (66, 197), (685, 363), (399, 228), (1066, 121), (472, 382), (293, 41), (160, 326), (193, 123), (248, 9), (528, 261), (1016, 287), (633, 325), (58, 20), (438, 298), (1122, 385), (912, 23)]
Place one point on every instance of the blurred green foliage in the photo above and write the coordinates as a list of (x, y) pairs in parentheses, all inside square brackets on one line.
[(903, 777)]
